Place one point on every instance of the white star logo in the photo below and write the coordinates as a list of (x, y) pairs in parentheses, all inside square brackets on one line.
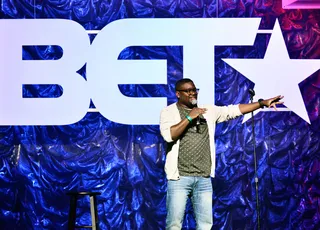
[(277, 74)]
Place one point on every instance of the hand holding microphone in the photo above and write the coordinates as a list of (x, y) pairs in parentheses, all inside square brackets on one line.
[(196, 112)]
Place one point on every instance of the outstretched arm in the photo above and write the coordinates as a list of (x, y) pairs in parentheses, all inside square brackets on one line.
[(272, 102)]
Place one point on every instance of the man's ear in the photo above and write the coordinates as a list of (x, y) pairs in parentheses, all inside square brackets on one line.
[(178, 94)]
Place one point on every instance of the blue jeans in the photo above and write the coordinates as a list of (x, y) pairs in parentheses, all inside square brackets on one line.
[(200, 190)]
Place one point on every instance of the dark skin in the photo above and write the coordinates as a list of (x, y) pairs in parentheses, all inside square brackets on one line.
[(184, 100)]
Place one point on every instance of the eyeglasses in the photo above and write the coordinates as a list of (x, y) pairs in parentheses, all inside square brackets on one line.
[(189, 91)]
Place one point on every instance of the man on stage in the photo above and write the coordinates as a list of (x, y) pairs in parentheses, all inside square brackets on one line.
[(190, 161)]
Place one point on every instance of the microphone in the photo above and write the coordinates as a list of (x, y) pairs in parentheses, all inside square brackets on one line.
[(252, 93), (194, 102)]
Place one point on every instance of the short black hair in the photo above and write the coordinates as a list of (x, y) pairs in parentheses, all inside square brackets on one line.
[(182, 81)]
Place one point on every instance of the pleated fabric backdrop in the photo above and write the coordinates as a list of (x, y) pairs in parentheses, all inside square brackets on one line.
[(39, 164)]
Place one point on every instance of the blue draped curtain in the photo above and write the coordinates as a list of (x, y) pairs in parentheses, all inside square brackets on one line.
[(39, 164)]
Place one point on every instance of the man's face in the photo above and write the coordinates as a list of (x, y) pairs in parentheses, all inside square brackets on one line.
[(186, 93)]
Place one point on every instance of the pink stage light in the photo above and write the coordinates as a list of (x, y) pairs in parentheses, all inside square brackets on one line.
[(301, 4)]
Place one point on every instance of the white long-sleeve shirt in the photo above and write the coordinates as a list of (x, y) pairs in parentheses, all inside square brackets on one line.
[(170, 116)]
